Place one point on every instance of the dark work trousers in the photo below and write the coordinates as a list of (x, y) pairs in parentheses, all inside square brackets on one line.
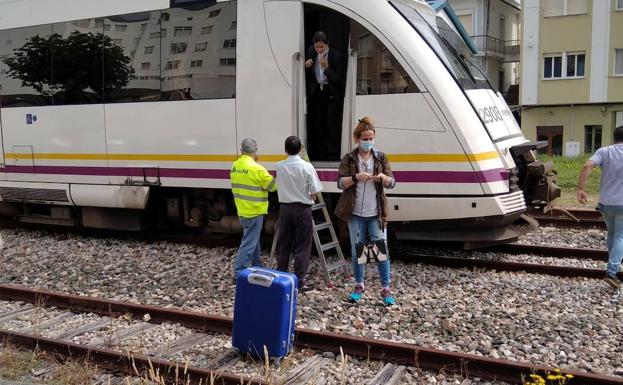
[(295, 238), (325, 131)]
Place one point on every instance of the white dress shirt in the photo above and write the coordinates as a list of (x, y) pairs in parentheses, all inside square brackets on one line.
[(296, 180), (318, 70)]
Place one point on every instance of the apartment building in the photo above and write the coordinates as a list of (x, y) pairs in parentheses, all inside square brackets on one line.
[(572, 73), (494, 26)]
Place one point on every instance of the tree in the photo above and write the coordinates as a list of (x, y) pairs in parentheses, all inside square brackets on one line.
[(80, 67)]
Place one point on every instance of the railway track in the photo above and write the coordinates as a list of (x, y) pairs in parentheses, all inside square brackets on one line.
[(498, 265), (71, 341), (584, 219)]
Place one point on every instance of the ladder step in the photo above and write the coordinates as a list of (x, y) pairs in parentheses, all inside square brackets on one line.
[(318, 206), (322, 226), (329, 245), (338, 265)]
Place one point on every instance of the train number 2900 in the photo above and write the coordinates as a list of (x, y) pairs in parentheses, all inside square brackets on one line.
[(490, 114)]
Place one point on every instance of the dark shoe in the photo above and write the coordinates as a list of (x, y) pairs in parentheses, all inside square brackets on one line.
[(304, 289), (613, 281)]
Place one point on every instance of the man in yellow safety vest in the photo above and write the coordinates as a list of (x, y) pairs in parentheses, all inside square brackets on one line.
[(250, 184)]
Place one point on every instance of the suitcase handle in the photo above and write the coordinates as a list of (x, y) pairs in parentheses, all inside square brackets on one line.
[(263, 278)]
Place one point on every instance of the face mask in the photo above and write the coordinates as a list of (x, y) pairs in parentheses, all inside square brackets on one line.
[(366, 145)]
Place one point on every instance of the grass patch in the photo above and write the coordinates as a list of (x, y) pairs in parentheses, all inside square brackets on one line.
[(74, 373), (568, 170), (15, 364)]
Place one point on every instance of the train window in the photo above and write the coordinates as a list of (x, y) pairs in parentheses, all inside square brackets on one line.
[(183, 77), (77, 56), (26, 67), (378, 71), (131, 58)]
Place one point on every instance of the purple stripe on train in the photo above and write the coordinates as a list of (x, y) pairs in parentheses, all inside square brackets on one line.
[(487, 176)]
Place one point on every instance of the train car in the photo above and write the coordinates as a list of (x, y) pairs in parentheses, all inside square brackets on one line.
[(126, 114)]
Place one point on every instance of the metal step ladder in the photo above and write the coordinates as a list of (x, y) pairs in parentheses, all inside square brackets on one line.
[(322, 248)]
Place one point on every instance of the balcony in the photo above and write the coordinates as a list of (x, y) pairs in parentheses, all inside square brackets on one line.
[(507, 51), (512, 95)]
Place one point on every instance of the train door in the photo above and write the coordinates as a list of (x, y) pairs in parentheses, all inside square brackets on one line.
[(326, 76), (269, 75)]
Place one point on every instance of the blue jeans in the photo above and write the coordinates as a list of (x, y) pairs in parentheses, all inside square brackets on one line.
[(360, 228), (250, 248), (613, 215)]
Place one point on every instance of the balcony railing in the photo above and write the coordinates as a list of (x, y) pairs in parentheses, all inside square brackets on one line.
[(507, 51), (511, 97)]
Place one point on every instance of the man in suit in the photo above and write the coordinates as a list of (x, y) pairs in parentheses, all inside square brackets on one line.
[(324, 74)]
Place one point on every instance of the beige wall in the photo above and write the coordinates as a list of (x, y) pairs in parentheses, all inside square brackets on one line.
[(565, 34), (615, 83), (572, 120)]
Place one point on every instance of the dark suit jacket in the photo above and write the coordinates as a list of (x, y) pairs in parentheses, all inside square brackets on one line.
[(334, 72)]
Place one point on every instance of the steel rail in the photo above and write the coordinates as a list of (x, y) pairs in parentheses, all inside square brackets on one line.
[(569, 223), (554, 270), (586, 218), (125, 363), (425, 358), (552, 251)]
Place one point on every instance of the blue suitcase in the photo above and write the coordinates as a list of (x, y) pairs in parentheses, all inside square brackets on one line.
[(264, 312)]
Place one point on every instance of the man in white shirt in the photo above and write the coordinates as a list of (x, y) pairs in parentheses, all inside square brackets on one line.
[(298, 184)]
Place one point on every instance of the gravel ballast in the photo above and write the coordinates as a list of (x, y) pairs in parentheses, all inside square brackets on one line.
[(562, 322)]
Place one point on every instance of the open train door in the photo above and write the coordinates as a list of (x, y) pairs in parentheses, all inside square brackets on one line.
[(270, 83)]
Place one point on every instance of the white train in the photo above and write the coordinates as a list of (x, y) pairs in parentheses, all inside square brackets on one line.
[(121, 114)]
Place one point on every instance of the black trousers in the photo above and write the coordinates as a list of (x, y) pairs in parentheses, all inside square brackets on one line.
[(295, 238), (325, 125)]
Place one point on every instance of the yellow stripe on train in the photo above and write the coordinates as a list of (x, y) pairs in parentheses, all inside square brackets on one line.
[(397, 158)]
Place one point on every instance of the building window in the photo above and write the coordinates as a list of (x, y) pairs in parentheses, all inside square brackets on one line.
[(120, 28), (575, 65), (149, 50), (618, 61), (99, 23), (233, 25), (227, 61), (552, 67), (145, 66), (196, 63), (564, 7), (165, 16), (106, 27), (206, 30), (178, 48), (229, 43), (214, 13), (203, 46), (592, 138), (182, 31), (173, 65), (553, 136), (619, 5)]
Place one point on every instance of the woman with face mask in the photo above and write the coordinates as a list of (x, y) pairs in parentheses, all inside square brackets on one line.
[(364, 174)]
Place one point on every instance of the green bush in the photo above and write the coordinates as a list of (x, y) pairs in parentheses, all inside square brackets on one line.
[(568, 170)]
